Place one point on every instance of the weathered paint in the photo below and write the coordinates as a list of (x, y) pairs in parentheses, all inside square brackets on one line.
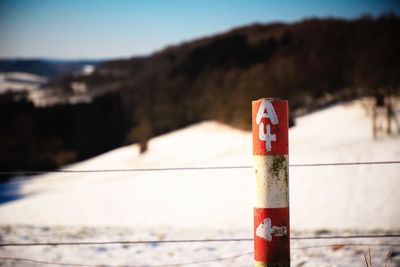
[(271, 181), (272, 242), (271, 207), (266, 230)]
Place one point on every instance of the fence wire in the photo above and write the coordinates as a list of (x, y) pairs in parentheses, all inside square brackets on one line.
[(33, 172), (219, 259), (132, 242), (123, 242)]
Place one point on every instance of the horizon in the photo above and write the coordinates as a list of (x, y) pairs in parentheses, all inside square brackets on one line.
[(84, 31)]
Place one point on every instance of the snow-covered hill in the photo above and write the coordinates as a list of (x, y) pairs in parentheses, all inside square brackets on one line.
[(214, 203), (340, 197)]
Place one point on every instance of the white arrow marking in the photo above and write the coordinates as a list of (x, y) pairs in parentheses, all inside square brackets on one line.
[(265, 230)]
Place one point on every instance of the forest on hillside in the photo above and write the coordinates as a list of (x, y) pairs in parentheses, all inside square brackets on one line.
[(312, 63)]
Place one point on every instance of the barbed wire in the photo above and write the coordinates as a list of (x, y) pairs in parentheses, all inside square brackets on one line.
[(32, 172), (126, 242)]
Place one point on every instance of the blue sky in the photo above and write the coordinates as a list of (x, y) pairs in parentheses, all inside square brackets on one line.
[(94, 29)]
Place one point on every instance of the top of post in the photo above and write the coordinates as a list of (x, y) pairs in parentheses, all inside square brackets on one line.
[(270, 126), (272, 99)]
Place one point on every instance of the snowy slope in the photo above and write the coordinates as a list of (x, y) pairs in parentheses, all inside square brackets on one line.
[(334, 198)]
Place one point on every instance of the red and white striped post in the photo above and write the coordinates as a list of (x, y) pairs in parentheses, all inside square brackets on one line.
[(271, 209)]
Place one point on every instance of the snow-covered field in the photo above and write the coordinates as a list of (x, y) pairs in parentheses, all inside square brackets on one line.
[(199, 204), (20, 81)]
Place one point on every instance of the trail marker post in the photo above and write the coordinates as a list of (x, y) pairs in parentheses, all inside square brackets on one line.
[(271, 164)]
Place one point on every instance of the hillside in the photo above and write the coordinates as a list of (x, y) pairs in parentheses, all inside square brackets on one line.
[(210, 204), (340, 206), (312, 63)]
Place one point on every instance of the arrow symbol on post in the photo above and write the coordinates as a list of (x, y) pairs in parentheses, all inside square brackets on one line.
[(265, 230)]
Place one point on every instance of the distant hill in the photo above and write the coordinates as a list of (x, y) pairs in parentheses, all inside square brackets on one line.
[(312, 63), (43, 67)]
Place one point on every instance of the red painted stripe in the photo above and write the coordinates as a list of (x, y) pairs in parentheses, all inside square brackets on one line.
[(280, 129), (277, 250)]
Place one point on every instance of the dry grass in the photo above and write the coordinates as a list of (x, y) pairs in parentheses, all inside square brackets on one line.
[(368, 259)]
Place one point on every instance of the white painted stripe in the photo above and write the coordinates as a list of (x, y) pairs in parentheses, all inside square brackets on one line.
[(272, 181)]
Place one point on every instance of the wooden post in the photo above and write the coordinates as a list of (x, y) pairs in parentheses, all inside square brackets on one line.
[(374, 127), (389, 114), (271, 209)]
